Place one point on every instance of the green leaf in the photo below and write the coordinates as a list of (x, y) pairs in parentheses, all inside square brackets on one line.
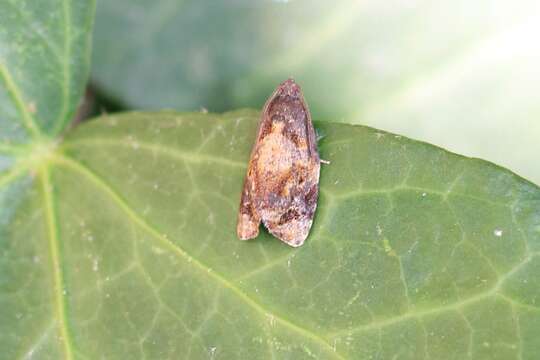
[(44, 63), (459, 74), (124, 246)]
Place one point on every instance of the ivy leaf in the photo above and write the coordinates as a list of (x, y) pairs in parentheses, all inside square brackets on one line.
[(458, 74), (414, 253), (44, 63)]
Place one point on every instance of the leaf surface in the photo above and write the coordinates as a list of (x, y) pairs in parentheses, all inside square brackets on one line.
[(415, 252), (44, 61)]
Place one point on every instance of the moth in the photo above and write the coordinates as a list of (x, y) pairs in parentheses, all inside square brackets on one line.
[(282, 181)]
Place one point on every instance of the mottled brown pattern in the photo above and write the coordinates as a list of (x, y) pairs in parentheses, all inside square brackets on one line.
[(281, 185)]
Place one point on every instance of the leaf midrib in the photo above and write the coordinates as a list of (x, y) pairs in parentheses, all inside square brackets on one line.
[(54, 249)]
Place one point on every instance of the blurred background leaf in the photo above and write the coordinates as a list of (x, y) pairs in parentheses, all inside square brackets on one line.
[(461, 74), (44, 65)]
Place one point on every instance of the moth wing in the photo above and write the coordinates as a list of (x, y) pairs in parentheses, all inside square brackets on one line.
[(248, 218), (293, 224), (294, 233), (295, 221), (311, 138), (295, 230)]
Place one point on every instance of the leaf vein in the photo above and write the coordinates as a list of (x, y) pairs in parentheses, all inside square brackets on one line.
[(12, 175), (16, 96), (66, 75), (443, 195), (169, 151), (495, 290), (54, 248)]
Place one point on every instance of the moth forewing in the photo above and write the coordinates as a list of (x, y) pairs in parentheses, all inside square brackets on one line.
[(281, 184)]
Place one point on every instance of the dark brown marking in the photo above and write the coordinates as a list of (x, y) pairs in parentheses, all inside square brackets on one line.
[(291, 214)]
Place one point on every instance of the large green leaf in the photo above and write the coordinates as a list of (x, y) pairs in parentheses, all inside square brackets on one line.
[(461, 74), (125, 247)]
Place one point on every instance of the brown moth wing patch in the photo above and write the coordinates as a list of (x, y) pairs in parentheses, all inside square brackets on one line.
[(281, 185), (248, 218)]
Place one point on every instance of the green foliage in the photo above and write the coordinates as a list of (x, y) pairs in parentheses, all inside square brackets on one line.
[(117, 239)]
